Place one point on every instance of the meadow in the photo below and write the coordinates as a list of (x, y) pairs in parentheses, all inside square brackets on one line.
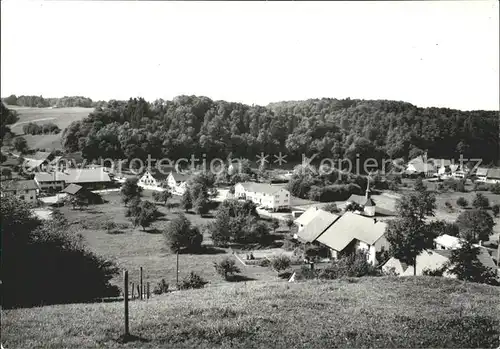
[(388, 312), (62, 117), (133, 248)]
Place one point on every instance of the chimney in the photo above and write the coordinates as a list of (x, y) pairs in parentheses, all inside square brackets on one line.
[(374, 220), (480, 243), (367, 195)]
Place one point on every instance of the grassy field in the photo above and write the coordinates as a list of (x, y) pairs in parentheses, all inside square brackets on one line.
[(442, 212), (409, 312), (134, 248), (62, 117)]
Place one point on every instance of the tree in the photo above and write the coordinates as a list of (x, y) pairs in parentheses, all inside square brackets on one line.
[(441, 227), (275, 224), (226, 267), (55, 265), (280, 263), (408, 238), (130, 190), (186, 200), (21, 145), (201, 205), (144, 214), (162, 196), (480, 201), (462, 202), (475, 225), (6, 172), (495, 209), (464, 263), (331, 207), (409, 235), (77, 201), (180, 235), (289, 223), (8, 117)]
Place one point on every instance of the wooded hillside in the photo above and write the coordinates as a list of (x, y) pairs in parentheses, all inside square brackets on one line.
[(331, 127)]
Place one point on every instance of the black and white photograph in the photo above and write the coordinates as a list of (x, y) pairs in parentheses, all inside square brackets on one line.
[(250, 174)]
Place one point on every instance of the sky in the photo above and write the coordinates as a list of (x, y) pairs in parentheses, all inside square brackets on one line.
[(442, 54)]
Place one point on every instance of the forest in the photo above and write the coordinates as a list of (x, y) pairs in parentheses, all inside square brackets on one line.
[(41, 102), (334, 128)]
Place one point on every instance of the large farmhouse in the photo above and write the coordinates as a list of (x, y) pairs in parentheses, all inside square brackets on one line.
[(88, 178), (25, 190), (262, 194)]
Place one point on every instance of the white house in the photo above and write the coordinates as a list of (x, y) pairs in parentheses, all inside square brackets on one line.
[(493, 175), (353, 232), (432, 260), (152, 180), (447, 242), (420, 166), (177, 182), (263, 194), (25, 190), (481, 174), (306, 217)]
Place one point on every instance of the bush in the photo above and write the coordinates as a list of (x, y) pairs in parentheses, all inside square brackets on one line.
[(353, 265), (495, 209), (495, 189), (226, 267), (331, 207), (462, 202), (280, 263), (193, 280), (481, 201), (47, 263), (289, 245), (433, 272), (264, 262), (481, 187), (161, 287)]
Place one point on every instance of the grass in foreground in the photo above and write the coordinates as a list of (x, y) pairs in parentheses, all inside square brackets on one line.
[(366, 312)]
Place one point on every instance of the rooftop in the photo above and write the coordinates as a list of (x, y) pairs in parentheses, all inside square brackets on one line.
[(19, 185), (352, 226), (261, 187), (320, 222), (75, 175)]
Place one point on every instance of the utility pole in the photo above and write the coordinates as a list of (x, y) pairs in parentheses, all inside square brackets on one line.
[(177, 270), (141, 296), (125, 300)]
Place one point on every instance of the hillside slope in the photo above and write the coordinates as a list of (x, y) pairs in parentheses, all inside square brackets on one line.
[(366, 312)]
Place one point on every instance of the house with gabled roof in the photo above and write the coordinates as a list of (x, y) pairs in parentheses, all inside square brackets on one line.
[(419, 166), (25, 190), (353, 232), (75, 190), (481, 174), (273, 197), (493, 175), (89, 178), (321, 221)]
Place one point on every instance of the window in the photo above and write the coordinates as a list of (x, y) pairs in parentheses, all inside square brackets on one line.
[(31, 197), (26, 191), (21, 197), (286, 195)]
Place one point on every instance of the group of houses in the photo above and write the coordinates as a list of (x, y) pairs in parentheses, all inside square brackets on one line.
[(437, 258), (52, 174), (336, 235), (166, 178), (446, 168)]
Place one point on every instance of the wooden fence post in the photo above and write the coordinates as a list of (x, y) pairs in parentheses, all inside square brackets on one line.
[(133, 291), (125, 300), (141, 295), (147, 289), (138, 290)]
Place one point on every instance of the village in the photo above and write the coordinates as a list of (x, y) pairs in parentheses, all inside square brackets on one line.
[(306, 232)]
